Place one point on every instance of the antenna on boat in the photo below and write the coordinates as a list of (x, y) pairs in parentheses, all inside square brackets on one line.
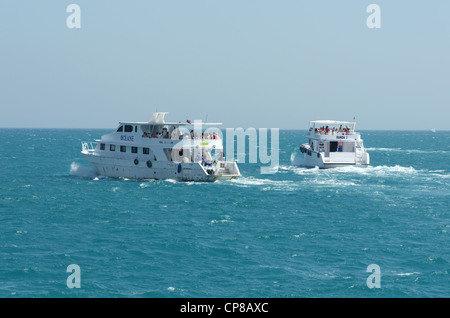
[(206, 118)]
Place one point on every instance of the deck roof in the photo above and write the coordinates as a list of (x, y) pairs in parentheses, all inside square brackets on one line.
[(332, 122)]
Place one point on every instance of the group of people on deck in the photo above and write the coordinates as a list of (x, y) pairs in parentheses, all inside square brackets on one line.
[(177, 135), (194, 135), (162, 134), (157, 135), (325, 130)]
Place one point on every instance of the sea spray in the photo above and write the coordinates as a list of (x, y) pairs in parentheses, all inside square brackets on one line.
[(79, 170)]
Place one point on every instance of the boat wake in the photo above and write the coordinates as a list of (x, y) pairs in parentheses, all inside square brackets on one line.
[(251, 181), (264, 184), (414, 151), (370, 170), (381, 172)]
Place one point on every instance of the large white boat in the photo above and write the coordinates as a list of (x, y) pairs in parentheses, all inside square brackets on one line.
[(160, 150), (332, 144)]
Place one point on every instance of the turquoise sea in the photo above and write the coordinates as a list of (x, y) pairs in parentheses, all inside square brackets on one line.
[(297, 233)]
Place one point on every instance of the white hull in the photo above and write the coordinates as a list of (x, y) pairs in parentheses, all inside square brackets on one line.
[(185, 171), (312, 159)]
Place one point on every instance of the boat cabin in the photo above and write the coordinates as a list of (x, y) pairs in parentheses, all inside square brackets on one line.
[(334, 138), (179, 142)]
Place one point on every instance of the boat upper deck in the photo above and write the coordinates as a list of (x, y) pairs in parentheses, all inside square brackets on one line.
[(157, 131)]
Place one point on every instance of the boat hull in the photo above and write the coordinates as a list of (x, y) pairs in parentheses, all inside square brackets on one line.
[(312, 159), (184, 171)]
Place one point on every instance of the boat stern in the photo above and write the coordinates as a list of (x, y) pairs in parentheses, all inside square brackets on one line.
[(226, 170)]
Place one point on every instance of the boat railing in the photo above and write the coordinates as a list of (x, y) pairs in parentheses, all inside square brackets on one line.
[(87, 147), (333, 133)]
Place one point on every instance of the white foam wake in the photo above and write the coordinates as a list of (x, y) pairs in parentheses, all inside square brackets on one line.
[(297, 159), (251, 181), (418, 151)]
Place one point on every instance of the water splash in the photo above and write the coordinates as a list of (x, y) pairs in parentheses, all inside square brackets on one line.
[(79, 170), (297, 159)]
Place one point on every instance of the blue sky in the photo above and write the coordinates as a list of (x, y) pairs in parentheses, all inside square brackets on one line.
[(246, 63)]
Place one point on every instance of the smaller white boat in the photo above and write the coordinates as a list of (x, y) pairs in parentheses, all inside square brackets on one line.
[(332, 144)]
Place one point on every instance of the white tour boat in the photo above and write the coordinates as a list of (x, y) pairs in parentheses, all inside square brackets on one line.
[(160, 150), (332, 144)]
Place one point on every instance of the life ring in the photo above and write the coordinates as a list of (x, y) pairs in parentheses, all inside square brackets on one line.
[(149, 164), (179, 168), (136, 161)]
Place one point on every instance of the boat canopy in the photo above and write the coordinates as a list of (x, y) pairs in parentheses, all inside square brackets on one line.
[(331, 122)]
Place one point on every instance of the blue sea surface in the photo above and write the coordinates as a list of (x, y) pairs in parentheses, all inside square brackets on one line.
[(296, 233)]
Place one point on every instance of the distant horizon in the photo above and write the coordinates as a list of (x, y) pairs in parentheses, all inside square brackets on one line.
[(301, 129)]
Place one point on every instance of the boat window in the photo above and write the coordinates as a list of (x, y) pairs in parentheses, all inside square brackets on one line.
[(120, 129), (128, 128), (123, 148), (112, 147), (135, 128), (133, 149), (102, 146), (145, 151)]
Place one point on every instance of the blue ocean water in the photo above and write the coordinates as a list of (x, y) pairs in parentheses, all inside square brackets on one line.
[(297, 233)]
